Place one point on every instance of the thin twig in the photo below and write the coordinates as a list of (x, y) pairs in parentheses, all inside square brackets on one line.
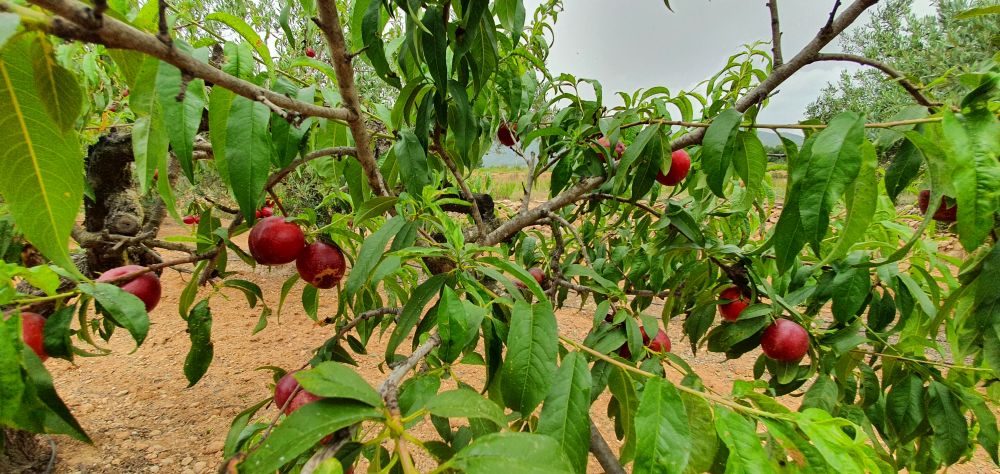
[(576, 235), (788, 126), (605, 456), (898, 76), (513, 226), (612, 197), (364, 317), (463, 187), (335, 151), (164, 30), (772, 6), (390, 388)]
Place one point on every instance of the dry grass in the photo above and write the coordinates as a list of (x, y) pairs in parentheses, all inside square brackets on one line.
[(508, 182)]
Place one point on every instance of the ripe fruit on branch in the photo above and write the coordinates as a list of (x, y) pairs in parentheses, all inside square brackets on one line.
[(535, 272), (605, 143), (507, 134), (189, 220), (660, 343), (284, 388), (785, 341), (321, 265), (276, 242), (680, 164), (146, 286), (125, 93), (33, 333), (310, 52), (731, 311), (266, 212), (943, 212), (301, 398)]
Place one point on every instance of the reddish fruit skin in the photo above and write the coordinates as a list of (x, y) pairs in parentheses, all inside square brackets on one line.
[(321, 265), (507, 134), (145, 286), (257, 214), (626, 353), (189, 220), (660, 343), (785, 341), (33, 333), (266, 212), (680, 164), (197, 219), (275, 242), (604, 142), (311, 52), (538, 273), (284, 388), (301, 398), (125, 94), (943, 212), (731, 311)]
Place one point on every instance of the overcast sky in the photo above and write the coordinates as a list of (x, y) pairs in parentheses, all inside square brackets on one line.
[(631, 44)]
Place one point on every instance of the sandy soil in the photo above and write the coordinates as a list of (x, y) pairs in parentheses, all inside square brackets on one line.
[(142, 418)]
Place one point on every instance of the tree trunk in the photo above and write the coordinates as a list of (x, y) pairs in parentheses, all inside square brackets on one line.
[(23, 452)]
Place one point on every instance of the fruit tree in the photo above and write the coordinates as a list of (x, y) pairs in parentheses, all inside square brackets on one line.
[(874, 350)]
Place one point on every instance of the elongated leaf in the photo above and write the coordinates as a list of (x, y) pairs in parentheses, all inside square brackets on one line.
[(511, 14), (513, 452), (746, 453), (704, 439), (663, 442), (15, 397), (42, 180), (307, 62), (126, 309), (301, 430), (977, 179), (412, 161), (458, 324), (370, 254), (236, 428), (241, 27), (904, 168), (198, 359), (335, 380), (834, 163), (715, 159), (850, 289), (248, 152), (531, 356), (948, 422), (566, 411), (862, 200), (465, 403), (57, 85), (220, 103), (412, 310), (989, 435), (55, 415), (182, 114), (750, 161), (371, 34), (623, 389), (149, 134), (904, 407)]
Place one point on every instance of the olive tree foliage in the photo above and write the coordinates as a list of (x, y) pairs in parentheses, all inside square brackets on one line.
[(933, 51), (903, 340)]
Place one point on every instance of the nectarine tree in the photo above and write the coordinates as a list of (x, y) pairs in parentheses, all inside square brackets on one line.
[(893, 346)]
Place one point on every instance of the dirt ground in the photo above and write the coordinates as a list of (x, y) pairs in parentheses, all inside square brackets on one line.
[(142, 418)]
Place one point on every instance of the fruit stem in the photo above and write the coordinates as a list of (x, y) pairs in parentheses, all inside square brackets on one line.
[(919, 361), (712, 398)]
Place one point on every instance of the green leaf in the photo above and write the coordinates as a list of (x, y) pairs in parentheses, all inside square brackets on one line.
[(371, 33), (663, 442), (15, 398), (310, 301), (862, 200), (42, 182), (904, 407), (623, 389), (335, 380), (978, 11), (904, 168), (149, 133), (511, 14), (566, 412), (248, 148), (714, 157), (412, 161), (199, 323), (989, 435), (412, 310), (822, 395), (370, 254), (704, 440), (220, 104), (644, 175), (287, 137), (234, 437), (124, 308), (374, 207), (948, 422), (57, 333), (57, 85), (746, 452), (986, 301), (457, 324), (465, 403), (750, 161), (56, 417), (523, 453), (977, 180), (834, 163), (850, 288), (241, 27), (183, 117), (532, 344), (301, 430)]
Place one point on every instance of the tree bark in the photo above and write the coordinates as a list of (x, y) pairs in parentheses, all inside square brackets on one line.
[(22, 452)]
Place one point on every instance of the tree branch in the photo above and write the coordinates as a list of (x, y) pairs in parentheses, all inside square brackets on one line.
[(778, 75), (115, 34), (605, 456), (329, 21), (335, 151), (390, 388), (556, 218), (612, 197), (513, 226), (364, 317), (900, 79), (772, 6), (477, 216)]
